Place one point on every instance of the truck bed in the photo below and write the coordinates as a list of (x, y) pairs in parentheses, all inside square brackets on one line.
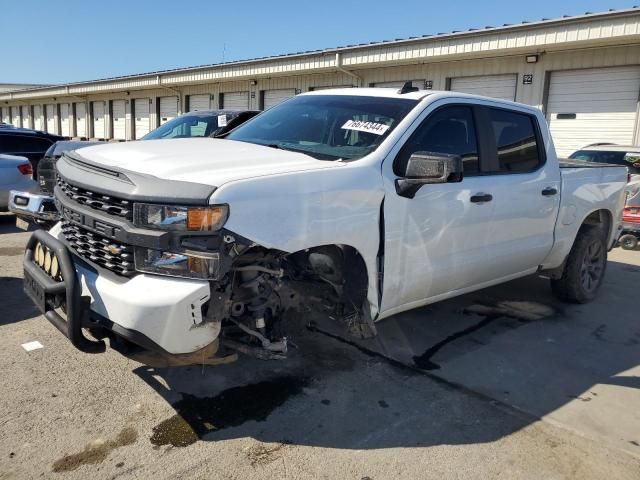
[(570, 163)]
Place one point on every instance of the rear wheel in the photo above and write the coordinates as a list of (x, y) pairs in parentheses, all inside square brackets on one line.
[(628, 242), (584, 269)]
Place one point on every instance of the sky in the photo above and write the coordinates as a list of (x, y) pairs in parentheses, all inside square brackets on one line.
[(59, 41)]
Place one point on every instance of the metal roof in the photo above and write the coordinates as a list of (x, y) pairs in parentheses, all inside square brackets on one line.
[(119, 82)]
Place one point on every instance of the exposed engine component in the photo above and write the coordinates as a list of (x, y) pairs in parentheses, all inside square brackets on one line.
[(261, 286)]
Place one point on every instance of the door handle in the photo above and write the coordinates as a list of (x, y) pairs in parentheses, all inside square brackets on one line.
[(481, 198), (549, 191)]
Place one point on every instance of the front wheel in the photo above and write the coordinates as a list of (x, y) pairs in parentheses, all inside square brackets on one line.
[(584, 269), (628, 242)]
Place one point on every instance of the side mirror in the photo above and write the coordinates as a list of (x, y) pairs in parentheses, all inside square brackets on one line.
[(429, 167)]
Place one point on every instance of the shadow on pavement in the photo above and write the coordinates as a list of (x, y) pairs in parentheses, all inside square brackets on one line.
[(15, 301), (8, 223), (341, 393)]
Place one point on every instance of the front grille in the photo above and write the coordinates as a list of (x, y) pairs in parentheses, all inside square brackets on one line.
[(102, 251), (97, 201)]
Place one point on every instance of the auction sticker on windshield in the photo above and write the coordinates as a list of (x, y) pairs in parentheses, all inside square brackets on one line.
[(369, 127)]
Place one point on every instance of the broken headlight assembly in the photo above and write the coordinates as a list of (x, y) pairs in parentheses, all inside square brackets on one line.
[(203, 266)]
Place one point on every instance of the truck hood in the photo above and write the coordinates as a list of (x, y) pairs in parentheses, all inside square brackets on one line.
[(206, 161)]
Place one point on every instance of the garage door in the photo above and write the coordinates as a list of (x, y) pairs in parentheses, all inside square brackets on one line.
[(6, 115), (235, 100), (81, 120), (65, 129), (37, 117), (274, 97), (496, 86), (197, 103), (119, 116), (327, 87), (141, 112), (15, 116), (50, 113), (98, 119), (400, 83), (168, 109), (26, 117), (594, 105)]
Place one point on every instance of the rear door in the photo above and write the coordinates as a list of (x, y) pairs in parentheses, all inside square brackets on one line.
[(525, 188)]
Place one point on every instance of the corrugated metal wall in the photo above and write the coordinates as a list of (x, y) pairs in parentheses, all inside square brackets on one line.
[(437, 73)]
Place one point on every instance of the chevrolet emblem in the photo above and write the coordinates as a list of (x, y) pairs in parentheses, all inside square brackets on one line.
[(113, 249)]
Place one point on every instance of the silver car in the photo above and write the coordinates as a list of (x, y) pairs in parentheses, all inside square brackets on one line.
[(16, 173)]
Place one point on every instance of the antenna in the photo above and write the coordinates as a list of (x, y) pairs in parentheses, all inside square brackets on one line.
[(408, 87)]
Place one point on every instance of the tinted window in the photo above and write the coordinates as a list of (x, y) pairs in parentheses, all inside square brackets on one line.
[(327, 127), (448, 130), (516, 141), (626, 159), (185, 127), (23, 144)]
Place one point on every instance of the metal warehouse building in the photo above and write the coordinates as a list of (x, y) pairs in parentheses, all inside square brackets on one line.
[(583, 71)]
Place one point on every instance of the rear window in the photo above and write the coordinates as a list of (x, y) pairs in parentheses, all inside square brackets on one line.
[(630, 160), (23, 144), (516, 141)]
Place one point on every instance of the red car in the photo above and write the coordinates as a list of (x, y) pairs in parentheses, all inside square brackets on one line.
[(631, 218)]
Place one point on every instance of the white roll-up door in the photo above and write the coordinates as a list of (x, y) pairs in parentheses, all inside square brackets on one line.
[(400, 83), (65, 129), (495, 86), (274, 97), (37, 117), (98, 119), (6, 115), (81, 120), (328, 87), (593, 105), (119, 115), (15, 116), (168, 109), (235, 100), (26, 117), (141, 113), (50, 113), (197, 103)]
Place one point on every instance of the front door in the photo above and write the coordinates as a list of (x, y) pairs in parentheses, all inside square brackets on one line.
[(440, 239)]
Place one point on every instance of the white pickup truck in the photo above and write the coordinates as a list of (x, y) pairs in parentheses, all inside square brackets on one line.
[(361, 203)]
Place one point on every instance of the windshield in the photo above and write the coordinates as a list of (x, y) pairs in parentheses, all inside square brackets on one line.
[(627, 159), (327, 127), (185, 127)]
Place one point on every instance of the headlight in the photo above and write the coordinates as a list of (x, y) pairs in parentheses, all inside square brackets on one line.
[(177, 264), (173, 217)]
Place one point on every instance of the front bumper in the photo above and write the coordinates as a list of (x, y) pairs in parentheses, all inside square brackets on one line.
[(162, 314), (33, 206)]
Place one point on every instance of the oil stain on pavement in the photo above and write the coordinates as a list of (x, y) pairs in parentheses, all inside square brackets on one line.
[(518, 312), (197, 416), (95, 452)]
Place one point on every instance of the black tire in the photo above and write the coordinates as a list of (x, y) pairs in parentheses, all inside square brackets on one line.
[(584, 269), (628, 242)]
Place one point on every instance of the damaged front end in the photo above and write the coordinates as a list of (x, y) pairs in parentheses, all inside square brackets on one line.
[(263, 295)]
